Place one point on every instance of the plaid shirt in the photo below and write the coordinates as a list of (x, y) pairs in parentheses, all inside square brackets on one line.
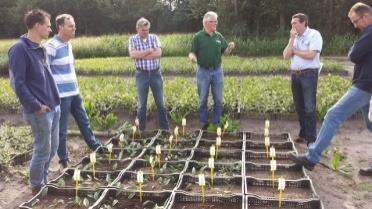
[(152, 41)]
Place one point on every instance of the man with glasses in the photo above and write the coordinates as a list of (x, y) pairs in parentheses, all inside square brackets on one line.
[(208, 45), (356, 98), (303, 48)]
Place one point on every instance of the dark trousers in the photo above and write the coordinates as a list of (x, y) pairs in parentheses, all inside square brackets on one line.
[(304, 86)]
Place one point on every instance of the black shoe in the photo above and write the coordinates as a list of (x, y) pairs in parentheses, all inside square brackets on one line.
[(366, 171), (302, 160), (300, 140), (205, 127), (63, 164)]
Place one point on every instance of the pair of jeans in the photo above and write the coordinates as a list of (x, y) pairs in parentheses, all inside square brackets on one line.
[(304, 87), (144, 81), (45, 127), (210, 79), (353, 100), (74, 105)]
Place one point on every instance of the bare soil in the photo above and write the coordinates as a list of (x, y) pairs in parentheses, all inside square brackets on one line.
[(336, 189)]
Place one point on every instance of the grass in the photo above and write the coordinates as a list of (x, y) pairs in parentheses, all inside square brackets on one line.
[(182, 66), (180, 44), (256, 94)]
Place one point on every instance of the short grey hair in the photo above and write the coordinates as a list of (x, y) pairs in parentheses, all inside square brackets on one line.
[(142, 22), (208, 15)]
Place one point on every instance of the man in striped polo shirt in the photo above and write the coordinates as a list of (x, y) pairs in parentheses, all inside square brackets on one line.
[(145, 49), (59, 50)]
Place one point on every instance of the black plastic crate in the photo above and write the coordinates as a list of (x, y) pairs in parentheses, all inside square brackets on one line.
[(260, 146), (53, 197), (221, 170), (103, 165), (139, 141), (226, 136), (221, 185), (101, 179), (170, 167), (223, 157), (168, 154), (282, 158), (131, 199), (290, 172), (161, 182), (267, 203), (225, 144), (188, 201), (257, 137), (184, 142), (294, 189)]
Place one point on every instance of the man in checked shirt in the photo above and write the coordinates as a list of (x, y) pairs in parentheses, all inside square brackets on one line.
[(145, 49)]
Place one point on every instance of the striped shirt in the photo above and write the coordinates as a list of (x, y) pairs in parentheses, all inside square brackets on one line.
[(62, 66), (152, 41)]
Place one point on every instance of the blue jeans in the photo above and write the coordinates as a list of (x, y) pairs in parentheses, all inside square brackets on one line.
[(74, 105), (304, 88), (214, 79), (45, 129), (353, 100), (153, 80)]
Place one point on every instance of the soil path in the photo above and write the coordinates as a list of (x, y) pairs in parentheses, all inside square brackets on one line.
[(335, 189)]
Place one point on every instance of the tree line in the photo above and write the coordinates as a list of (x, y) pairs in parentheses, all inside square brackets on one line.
[(253, 18)]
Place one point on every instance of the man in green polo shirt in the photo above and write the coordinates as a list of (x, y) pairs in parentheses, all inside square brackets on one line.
[(208, 45)]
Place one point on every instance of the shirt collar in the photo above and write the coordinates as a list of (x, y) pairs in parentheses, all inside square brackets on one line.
[(29, 43), (306, 32)]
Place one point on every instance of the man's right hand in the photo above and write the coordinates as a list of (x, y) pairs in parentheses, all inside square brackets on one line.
[(43, 109), (293, 33), (192, 58)]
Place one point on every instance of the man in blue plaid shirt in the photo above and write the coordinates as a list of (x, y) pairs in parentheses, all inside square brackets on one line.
[(145, 49)]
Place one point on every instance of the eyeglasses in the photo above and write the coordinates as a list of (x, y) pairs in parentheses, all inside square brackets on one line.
[(357, 20), (212, 21)]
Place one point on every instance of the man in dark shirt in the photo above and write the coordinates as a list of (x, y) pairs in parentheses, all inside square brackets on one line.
[(36, 90), (356, 98), (207, 47)]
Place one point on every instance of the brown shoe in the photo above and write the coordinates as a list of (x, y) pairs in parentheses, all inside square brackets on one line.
[(300, 140)]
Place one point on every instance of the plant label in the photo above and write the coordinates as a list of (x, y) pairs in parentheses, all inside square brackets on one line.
[(218, 141), (201, 180), (76, 176), (121, 138), (266, 132), (136, 121), (140, 177), (158, 149), (267, 124), (109, 147), (170, 139), (211, 162), (212, 151), (226, 125), (272, 152), (176, 131), (92, 157), (273, 165), (183, 121), (281, 183), (219, 131), (267, 141), (134, 129)]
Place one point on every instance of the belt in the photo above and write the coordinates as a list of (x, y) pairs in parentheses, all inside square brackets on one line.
[(145, 70), (210, 67), (304, 71)]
